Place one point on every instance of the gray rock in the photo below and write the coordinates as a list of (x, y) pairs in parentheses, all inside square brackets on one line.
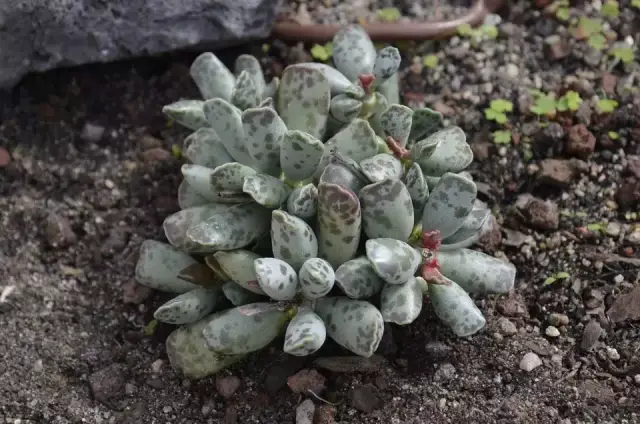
[(108, 382), (38, 35), (530, 361)]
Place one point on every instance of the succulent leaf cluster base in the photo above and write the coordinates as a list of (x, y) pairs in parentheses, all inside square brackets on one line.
[(306, 198)]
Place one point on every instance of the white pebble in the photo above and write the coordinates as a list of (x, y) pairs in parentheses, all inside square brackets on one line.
[(530, 361), (618, 279), (552, 331), (613, 354)]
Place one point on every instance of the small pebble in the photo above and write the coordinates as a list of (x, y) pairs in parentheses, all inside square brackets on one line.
[(227, 385), (636, 378), (530, 361), (305, 411), (558, 320), (618, 279), (507, 327), (92, 133), (612, 353), (552, 331)]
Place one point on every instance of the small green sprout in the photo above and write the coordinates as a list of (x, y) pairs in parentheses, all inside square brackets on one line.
[(388, 14), (570, 101), (430, 61), (563, 13), (176, 151), (545, 104), (490, 31), (624, 54), (497, 110), (150, 328), (613, 135), (465, 30), (501, 137), (635, 3), (610, 9), (560, 9), (597, 227), (606, 105), (587, 27), (322, 53), (556, 277), (597, 41), (265, 48)]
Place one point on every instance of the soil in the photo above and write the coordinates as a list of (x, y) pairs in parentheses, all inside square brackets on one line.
[(90, 175)]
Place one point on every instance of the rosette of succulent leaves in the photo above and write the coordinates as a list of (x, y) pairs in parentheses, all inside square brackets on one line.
[(287, 231)]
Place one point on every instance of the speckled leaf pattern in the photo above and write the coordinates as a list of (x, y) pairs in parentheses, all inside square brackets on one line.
[(387, 63), (452, 154), (230, 177), (477, 272), (387, 210), (418, 190), (238, 295), (316, 278), (226, 120), (188, 197), (245, 94), (380, 104), (340, 173), (276, 278), (390, 89), (235, 228), (424, 123), (353, 52), (423, 150), (292, 239), (233, 332), (305, 334), (300, 155), (204, 147), (356, 141), (456, 309), (251, 65), (175, 226), (158, 267), (337, 81), (199, 178), (344, 108), (401, 303), (393, 260), (303, 99), (189, 354), (470, 230), (264, 131), (382, 166), (358, 279), (238, 265), (448, 205), (212, 77), (303, 201), (188, 307), (396, 122), (268, 102), (339, 224), (265, 190), (188, 113), (356, 325)]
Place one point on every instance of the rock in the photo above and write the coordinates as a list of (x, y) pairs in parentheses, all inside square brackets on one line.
[(92, 133), (556, 172), (351, 364), (633, 166), (557, 47), (590, 335), (530, 361), (580, 141), (108, 382), (5, 157), (147, 142), (558, 320), (613, 229), (507, 327), (365, 398), (628, 194), (115, 242), (87, 31), (634, 236), (511, 305), (305, 380), (636, 378), (437, 351), (552, 331), (58, 231), (305, 412), (593, 298), (608, 82), (538, 213), (612, 353), (549, 139), (445, 372), (325, 414), (626, 306), (227, 385), (278, 374), (481, 150), (135, 293), (155, 154)]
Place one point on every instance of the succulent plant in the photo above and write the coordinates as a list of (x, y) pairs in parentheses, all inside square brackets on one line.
[(286, 229)]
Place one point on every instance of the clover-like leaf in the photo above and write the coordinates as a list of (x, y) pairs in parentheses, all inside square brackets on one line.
[(226, 120), (386, 64), (337, 81), (344, 108), (422, 150), (387, 210), (158, 267), (238, 295), (393, 260), (469, 232), (477, 272), (316, 278), (303, 99), (396, 123), (292, 239), (276, 278), (452, 154), (356, 141), (235, 228), (212, 77), (233, 332), (448, 205), (176, 225), (339, 223), (188, 197), (189, 113), (382, 166), (264, 131), (189, 354), (455, 308), (300, 155), (245, 94), (238, 266), (251, 65), (353, 52), (188, 307), (358, 279), (303, 201), (265, 190), (401, 303), (204, 147), (424, 123), (418, 188), (356, 325), (305, 334)]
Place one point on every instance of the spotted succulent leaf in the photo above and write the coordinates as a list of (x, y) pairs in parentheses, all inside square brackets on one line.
[(382, 166), (268, 102), (344, 108), (303, 201), (425, 122), (176, 225), (158, 267), (276, 278), (238, 266), (339, 223), (448, 205), (212, 77), (358, 279), (477, 272), (188, 197), (300, 155), (226, 120), (456, 309), (396, 123), (204, 147), (238, 295), (316, 278), (386, 64), (469, 232), (231, 332), (422, 150), (230, 177), (337, 81), (344, 172), (305, 334), (264, 131), (390, 89), (292, 239), (393, 260), (303, 99), (356, 325), (245, 94), (418, 189), (387, 210), (251, 65), (189, 307), (379, 105), (265, 190), (452, 153), (356, 141), (353, 52), (271, 89), (189, 113), (401, 303)]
